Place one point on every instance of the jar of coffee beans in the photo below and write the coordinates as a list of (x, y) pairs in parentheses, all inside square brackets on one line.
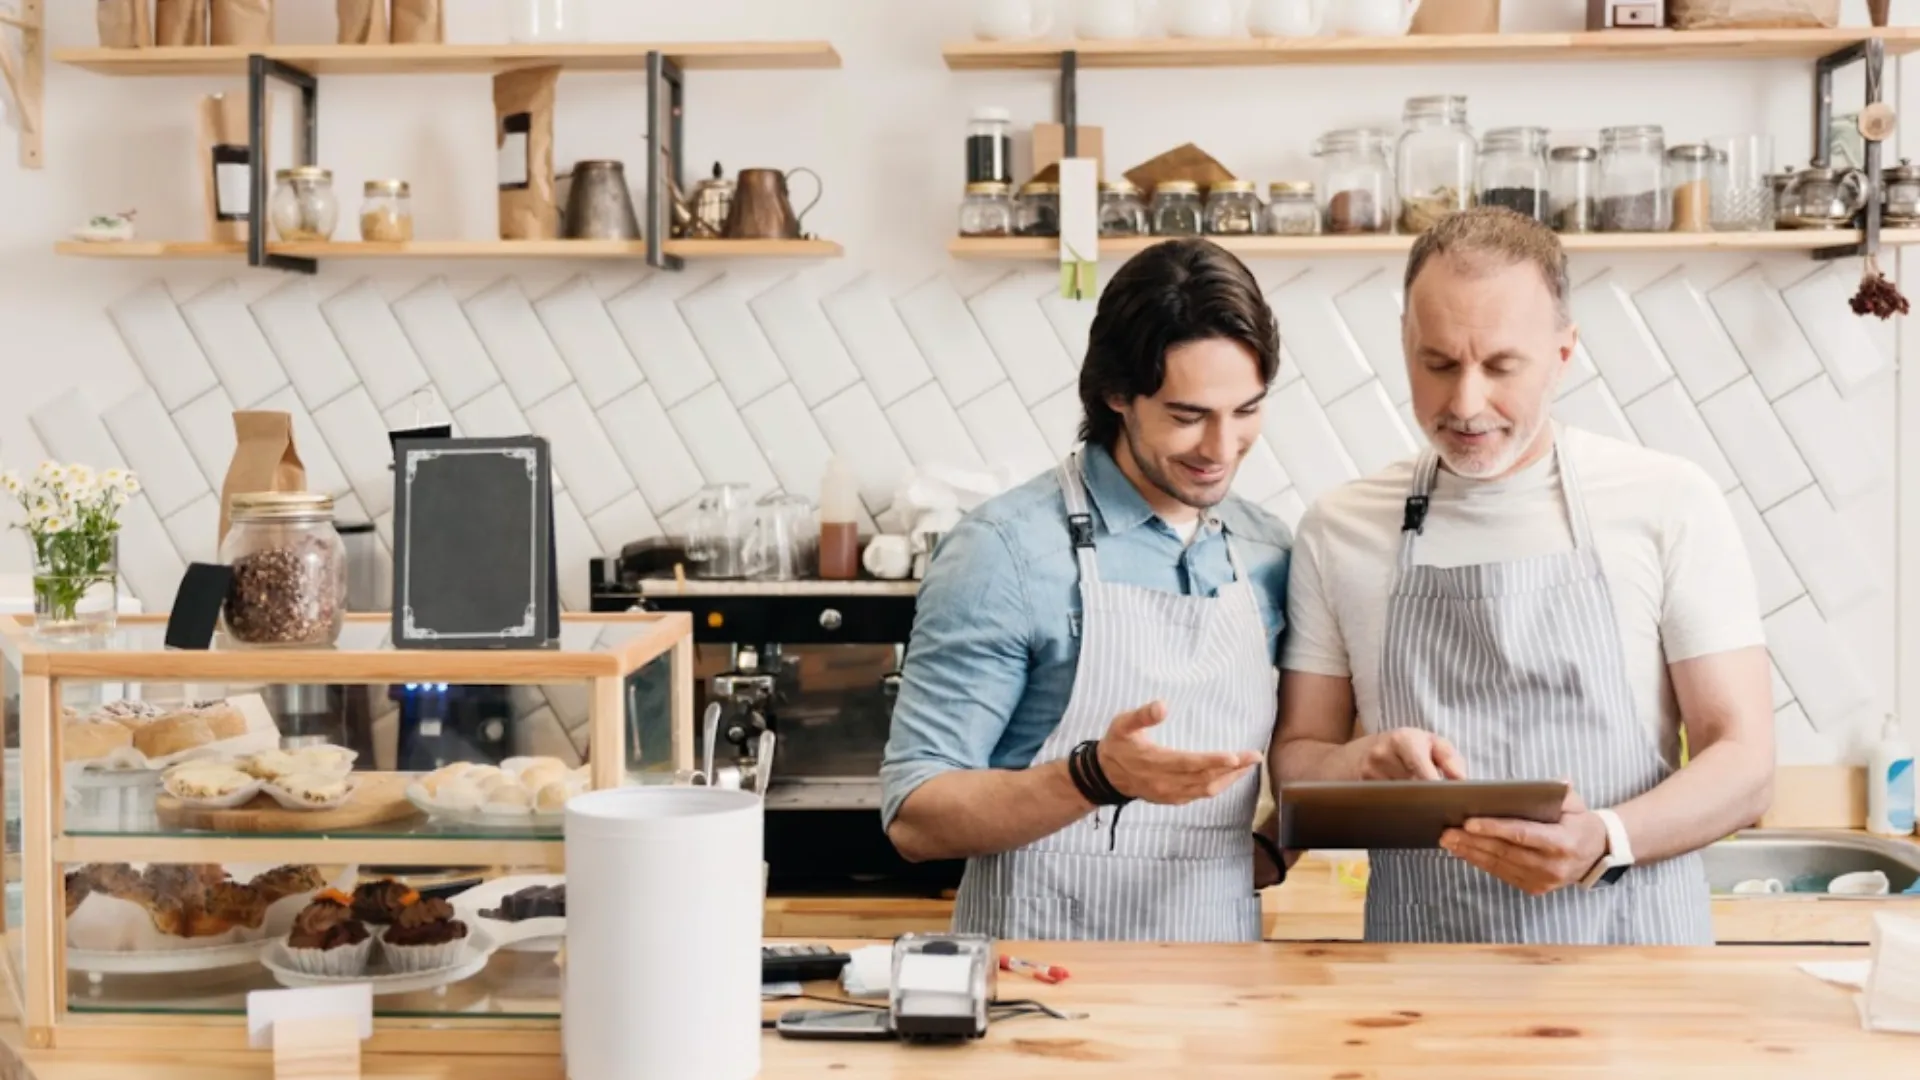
[(1513, 170), (289, 587), (1356, 180)]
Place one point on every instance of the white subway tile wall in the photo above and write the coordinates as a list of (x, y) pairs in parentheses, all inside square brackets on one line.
[(683, 380)]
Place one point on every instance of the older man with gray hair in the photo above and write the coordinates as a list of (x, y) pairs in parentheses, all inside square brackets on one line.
[(1528, 601)]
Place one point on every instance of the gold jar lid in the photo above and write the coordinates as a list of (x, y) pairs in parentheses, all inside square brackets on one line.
[(282, 506), (987, 187), (1177, 187), (305, 172), (1290, 187), (388, 187), (1039, 187), (1233, 187), (1122, 186)]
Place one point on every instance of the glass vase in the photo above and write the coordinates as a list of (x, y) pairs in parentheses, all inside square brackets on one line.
[(76, 586)]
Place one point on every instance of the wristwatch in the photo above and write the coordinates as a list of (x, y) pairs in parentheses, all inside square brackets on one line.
[(1618, 856)]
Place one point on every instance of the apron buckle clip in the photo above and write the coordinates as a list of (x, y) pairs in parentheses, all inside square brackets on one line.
[(1415, 517), (1080, 527)]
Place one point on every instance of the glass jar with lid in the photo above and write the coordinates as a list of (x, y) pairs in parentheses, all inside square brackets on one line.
[(304, 206), (1233, 209), (1901, 185), (386, 212), (987, 210), (1356, 180), (1434, 160), (1037, 211), (1123, 209), (1633, 179), (990, 147), (1574, 180), (1291, 208), (1513, 171), (1177, 209), (1691, 180), (289, 586)]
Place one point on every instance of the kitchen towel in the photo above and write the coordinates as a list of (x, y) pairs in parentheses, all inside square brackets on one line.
[(664, 923)]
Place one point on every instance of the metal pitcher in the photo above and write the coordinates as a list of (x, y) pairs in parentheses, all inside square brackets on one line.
[(599, 207), (761, 207)]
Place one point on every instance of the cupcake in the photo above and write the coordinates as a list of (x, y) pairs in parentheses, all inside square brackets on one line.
[(327, 939), (424, 937), (378, 902)]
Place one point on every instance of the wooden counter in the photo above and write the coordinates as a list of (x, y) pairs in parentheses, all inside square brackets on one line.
[(1337, 1011)]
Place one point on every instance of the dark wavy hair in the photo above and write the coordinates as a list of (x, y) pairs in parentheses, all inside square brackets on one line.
[(1171, 293)]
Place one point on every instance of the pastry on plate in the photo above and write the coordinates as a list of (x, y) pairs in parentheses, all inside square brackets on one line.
[(89, 739), (542, 772), (508, 799), (270, 764), (327, 939), (460, 794), (424, 936), (284, 881), (131, 714), (552, 798), (379, 901), (324, 758), (173, 734), (316, 789), (225, 721), (197, 780), (237, 904)]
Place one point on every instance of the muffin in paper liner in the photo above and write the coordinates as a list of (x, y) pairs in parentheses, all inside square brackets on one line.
[(413, 959), (340, 962)]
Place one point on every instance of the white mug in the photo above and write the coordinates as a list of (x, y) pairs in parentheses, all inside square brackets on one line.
[(889, 556), (1010, 20), (1113, 20), (1202, 18), (1285, 18)]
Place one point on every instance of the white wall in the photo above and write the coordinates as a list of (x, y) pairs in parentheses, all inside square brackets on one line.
[(653, 383)]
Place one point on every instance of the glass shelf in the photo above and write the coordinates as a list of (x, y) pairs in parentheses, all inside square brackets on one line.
[(417, 828)]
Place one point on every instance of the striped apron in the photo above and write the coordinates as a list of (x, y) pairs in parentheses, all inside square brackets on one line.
[(1162, 873), (1518, 665)]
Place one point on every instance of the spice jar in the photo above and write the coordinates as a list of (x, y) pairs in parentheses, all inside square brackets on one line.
[(1356, 180), (990, 147), (1633, 179), (1177, 210), (1690, 180), (987, 210), (1435, 161), (289, 586), (1037, 211), (1233, 209), (303, 205), (1123, 210), (1291, 209), (1901, 185), (1574, 183), (1513, 170), (386, 212)]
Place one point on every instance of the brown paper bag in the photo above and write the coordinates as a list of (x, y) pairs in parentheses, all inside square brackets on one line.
[(419, 22), (363, 22), (224, 165), (1752, 14), (180, 22), (242, 22), (264, 459), (1457, 17), (1183, 162), (124, 24), (523, 131)]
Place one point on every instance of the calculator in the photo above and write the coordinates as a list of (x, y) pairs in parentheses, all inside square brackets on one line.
[(799, 963)]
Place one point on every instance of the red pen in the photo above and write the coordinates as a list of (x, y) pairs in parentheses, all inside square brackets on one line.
[(1046, 973)]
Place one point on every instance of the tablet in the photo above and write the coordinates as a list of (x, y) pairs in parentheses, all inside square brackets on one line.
[(1405, 813)]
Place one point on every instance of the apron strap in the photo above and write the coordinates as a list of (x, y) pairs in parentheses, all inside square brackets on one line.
[(1079, 517), (1570, 495), (1413, 520)]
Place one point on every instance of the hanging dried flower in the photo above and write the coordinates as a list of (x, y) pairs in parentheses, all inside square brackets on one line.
[(1877, 295)]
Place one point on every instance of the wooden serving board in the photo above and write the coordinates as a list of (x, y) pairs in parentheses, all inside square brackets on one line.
[(379, 798)]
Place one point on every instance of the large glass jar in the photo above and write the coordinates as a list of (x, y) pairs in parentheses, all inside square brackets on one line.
[(289, 587), (1291, 208), (1575, 183), (1233, 209), (1037, 211), (990, 147), (1356, 180), (1123, 210), (986, 211), (1513, 171), (1177, 210), (303, 205), (386, 212), (1633, 179), (1691, 178), (1435, 161)]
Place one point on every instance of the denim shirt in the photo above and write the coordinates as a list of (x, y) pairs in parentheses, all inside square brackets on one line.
[(996, 640)]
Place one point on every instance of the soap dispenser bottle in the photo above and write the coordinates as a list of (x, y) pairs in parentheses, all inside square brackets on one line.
[(1890, 783)]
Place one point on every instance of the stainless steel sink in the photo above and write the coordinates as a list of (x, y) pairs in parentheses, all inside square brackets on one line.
[(1806, 861)]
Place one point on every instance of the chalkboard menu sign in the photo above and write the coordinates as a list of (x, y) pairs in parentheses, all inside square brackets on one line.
[(473, 563)]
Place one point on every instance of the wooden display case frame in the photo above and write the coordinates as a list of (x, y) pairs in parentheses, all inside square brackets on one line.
[(42, 988)]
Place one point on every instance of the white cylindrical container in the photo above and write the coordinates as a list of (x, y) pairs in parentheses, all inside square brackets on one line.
[(1890, 783), (664, 923)]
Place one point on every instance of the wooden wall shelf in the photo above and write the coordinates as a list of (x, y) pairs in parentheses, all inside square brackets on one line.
[(1286, 247), (1428, 48), (460, 249), (454, 59)]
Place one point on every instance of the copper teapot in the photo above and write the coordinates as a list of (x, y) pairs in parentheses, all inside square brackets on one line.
[(762, 208)]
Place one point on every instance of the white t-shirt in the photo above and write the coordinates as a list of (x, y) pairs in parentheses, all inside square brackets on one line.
[(1675, 564)]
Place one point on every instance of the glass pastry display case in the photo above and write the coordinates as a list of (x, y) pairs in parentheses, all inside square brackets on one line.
[(185, 827)]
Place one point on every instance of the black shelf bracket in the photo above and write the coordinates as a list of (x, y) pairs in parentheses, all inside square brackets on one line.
[(1873, 53), (259, 70), (1070, 100), (666, 97)]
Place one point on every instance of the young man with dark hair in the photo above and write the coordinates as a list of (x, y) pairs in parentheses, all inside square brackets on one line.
[(1103, 639)]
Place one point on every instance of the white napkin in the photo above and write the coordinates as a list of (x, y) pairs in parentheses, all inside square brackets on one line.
[(1889, 982), (869, 971)]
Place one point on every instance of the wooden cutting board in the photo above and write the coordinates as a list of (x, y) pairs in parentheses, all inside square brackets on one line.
[(380, 798)]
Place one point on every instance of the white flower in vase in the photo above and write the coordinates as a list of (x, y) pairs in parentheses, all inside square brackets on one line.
[(73, 526)]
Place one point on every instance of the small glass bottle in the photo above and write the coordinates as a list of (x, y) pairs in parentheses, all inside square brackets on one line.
[(1575, 184), (990, 147), (1633, 179), (386, 212), (303, 205), (1177, 209), (289, 587), (987, 210), (1356, 181), (1291, 209), (1123, 210), (1513, 171), (1691, 181), (1434, 161), (1037, 211), (1233, 209)]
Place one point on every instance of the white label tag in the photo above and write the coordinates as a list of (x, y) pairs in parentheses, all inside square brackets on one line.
[(233, 190), (513, 160)]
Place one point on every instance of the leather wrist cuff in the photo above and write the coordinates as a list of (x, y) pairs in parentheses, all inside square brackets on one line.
[(1083, 765)]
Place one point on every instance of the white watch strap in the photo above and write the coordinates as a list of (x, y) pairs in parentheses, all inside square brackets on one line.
[(1619, 848)]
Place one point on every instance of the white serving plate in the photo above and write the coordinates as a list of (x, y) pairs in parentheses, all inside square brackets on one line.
[(473, 958), (543, 935), (164, 961)]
